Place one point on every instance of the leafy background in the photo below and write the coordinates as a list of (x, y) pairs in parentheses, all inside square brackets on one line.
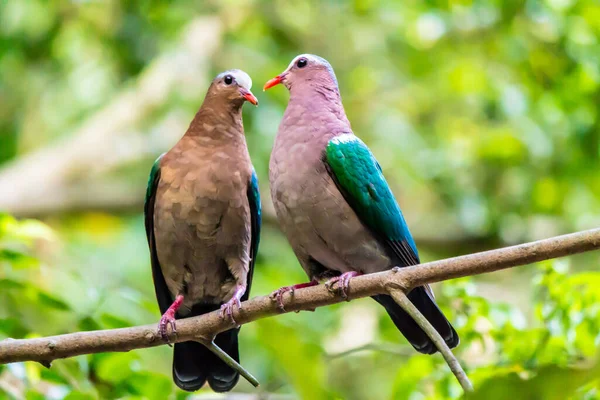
[(483, 115)]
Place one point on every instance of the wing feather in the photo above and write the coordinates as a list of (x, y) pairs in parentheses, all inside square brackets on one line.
[(160, 286), (256, 222), (360, 179)]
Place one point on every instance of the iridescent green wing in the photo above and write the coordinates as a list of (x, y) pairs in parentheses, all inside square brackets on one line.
[(358, 176)]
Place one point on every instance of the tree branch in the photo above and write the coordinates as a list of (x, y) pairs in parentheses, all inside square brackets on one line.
[(203, 328), (231, 362), (397, 350), (403, 301)]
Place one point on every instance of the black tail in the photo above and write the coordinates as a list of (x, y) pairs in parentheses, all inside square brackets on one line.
[(194, 364), (409, 328)]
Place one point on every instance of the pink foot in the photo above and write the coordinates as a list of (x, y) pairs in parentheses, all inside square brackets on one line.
[(343, 283), (168, 319), (227, 308), (277, 295)]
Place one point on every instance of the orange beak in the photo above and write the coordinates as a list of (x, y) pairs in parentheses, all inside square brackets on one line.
[(273, 82), (249, 96)]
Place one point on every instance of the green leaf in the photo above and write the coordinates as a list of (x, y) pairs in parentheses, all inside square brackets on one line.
[(152, 386), (408, 379), (78, 395), (33, 229), (18, 259), (300, 360), (115, 367), (33, 394), (12, 327), (112, 322), (52, 302), (549, 383), (7, 284), (89, 324)]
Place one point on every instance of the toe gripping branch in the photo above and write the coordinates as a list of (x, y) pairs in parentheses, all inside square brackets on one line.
[(228, 307), (277, 295), (343, 282), (168, 319)]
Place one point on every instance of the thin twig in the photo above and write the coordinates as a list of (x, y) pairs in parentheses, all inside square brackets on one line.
[(208, 325), (398, 350), (231, 362), (403, 301)]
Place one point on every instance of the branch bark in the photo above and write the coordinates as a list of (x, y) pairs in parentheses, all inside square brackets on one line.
[(402, 300), (204, 328)]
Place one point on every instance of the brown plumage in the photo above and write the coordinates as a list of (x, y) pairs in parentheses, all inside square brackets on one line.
[(201, 216)]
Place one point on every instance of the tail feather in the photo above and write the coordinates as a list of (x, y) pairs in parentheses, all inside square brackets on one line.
[(189, 373), (194, 364), (223, 378), (409, 328)]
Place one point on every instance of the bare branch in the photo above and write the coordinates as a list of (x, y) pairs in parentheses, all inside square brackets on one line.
[(204, 327), (397, 350), (403, 301), (231, 362)]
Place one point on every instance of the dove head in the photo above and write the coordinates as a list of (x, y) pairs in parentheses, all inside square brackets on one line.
[(306, 70), (234, 87)]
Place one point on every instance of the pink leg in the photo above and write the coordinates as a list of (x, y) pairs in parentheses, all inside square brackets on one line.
[(278, 294), (227, 308), (168, 318), (343, 282)]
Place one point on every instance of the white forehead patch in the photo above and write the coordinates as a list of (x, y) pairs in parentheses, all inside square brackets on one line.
[(315, 60), (310, 58), (242, 78)]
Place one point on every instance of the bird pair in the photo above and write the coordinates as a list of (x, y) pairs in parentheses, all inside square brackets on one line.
[(203, 214)]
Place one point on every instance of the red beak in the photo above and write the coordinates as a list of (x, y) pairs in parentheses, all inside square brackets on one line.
[(249, 96), (273, 82)]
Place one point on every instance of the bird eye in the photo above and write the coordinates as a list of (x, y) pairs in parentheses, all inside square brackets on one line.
[(228, 80), (302, 62)]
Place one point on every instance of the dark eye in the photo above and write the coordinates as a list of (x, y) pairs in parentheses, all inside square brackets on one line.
[(302, 63), (228, 80)]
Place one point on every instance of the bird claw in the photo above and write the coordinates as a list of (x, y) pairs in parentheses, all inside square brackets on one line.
[(343, 283), (277, 295), (329, 284), (227, 308), (168, 319)]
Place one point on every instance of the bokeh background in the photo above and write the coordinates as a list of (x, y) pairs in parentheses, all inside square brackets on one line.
[(484, 116)]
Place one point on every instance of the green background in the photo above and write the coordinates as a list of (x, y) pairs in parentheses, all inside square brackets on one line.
[(484, 116)]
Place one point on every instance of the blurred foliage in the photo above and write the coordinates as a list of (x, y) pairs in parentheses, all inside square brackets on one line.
[(483, 114), (551, 356)]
